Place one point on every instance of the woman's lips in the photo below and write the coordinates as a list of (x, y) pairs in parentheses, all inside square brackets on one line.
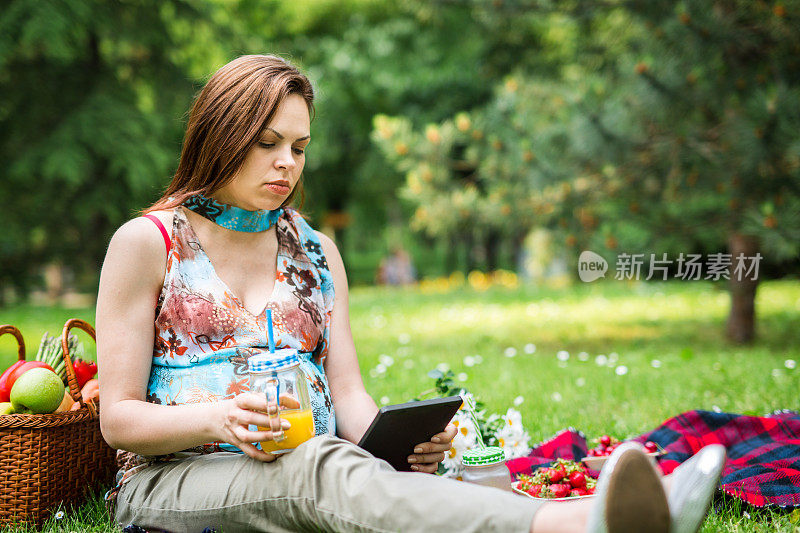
[(278, 188)]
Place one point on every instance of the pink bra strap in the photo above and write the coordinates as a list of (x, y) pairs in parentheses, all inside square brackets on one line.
[(164, 233)]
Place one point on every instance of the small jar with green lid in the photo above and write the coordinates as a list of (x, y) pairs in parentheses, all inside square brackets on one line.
[(486, 466)]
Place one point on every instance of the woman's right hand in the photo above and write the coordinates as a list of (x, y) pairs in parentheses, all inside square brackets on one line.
[(236, 414)]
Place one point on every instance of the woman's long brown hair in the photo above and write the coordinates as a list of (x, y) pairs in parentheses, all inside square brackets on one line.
[(227, 118)]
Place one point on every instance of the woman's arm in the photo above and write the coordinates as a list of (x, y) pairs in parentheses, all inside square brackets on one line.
[(130, 282), (355, 409)]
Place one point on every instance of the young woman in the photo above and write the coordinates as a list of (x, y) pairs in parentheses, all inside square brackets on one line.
[(184, 292)]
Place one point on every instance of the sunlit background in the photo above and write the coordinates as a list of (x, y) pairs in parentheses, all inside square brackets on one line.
[(475, 135)]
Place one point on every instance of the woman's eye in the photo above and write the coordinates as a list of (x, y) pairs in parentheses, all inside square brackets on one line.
[(298, 151)]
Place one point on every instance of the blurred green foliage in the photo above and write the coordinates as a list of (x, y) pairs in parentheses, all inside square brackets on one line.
[(643, 127), (95, 96), (616, 125)]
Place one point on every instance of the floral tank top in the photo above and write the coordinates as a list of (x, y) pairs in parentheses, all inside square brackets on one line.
[(204, 332)]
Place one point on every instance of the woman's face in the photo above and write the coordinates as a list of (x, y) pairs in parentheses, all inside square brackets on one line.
[(273, 165)]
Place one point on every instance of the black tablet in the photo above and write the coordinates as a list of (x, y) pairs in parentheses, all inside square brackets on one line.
[(398, 428)]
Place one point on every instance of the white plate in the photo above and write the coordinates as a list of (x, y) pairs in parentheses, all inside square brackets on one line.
[(596, 463), (515, 488)]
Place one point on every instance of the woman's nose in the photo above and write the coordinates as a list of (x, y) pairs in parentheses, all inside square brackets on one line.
[(285, 160)]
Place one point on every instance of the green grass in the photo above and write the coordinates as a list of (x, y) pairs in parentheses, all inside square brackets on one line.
[(680, 325)]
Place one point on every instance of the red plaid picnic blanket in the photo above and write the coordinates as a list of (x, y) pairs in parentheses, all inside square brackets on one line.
[(763, 466)]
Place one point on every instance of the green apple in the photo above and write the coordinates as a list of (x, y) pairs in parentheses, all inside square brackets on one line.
[(39, 390), (6, 408)]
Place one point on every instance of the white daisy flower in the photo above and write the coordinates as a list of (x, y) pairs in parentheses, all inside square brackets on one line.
[(621, 370), (601, 360), (655, 363), (583, 356), (466, 438), (530, 348), (512, 436), (790, 364), (510, 352), (562, 355)]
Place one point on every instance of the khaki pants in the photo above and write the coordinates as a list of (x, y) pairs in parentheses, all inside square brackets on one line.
[(326, 484)]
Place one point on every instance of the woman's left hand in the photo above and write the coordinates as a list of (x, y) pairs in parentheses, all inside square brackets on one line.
[(428, 455)]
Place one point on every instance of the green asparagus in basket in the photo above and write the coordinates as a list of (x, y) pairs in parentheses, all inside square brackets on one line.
[(51, 352)]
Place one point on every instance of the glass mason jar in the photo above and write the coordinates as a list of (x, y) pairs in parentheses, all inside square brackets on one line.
[(487, 467), (278, 376)]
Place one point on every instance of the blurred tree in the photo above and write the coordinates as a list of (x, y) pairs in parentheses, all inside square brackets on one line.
[(394, 58), (669, 127), (93, 92), (91, 98), (695, 129)]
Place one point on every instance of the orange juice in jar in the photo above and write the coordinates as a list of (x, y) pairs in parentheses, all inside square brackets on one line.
[(278, 376), (302, 429)]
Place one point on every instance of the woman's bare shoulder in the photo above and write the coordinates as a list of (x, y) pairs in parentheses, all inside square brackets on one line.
[(143, 232), (141, 239), (164, 215)]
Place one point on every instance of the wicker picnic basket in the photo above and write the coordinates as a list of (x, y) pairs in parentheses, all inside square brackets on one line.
[(51, 458)]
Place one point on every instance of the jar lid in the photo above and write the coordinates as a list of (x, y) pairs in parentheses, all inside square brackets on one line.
[(483, 456), (280, 360)]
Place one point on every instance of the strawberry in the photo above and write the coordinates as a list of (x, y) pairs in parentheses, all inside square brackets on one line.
[(650, 446), (535, 490), (576, 479), (579, 491), (605, 440), (557, 474), (559, 490)]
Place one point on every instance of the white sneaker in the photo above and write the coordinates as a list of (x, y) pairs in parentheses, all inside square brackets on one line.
[(629, 497), (693, 485)]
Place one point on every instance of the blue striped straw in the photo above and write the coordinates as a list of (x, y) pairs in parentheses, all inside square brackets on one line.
[(269, 332)]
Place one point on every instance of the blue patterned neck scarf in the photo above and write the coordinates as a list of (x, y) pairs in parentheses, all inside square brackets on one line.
[(232, 217)]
